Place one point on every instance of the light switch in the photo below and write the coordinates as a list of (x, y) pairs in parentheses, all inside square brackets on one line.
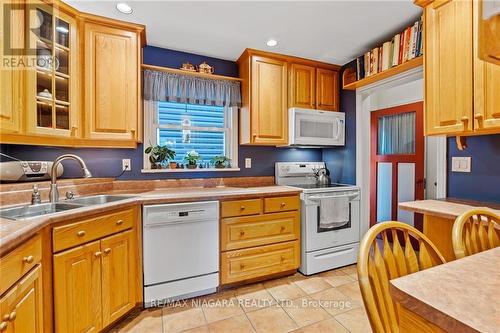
[(248, 163), (460, 164)]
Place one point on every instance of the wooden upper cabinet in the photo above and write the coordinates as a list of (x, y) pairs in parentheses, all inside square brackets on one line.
[(21, 308), (118, 275), (112, 80), (77, 289), (489, 31), (302, 91), (11, 79), (327, 89), (486, 84), (264, 115), (52, 99)]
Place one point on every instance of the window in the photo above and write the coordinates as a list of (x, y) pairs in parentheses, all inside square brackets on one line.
[(209, 130)]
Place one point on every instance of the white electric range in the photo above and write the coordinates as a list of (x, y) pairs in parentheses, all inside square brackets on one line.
[(322, 249)]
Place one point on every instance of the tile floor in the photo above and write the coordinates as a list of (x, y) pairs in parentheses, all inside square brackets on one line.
[(326, 302)]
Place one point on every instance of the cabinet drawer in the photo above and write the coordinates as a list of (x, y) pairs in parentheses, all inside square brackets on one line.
[(244, 232), (85, 231), (241, 207), (240, 265), (19, 261), (281, 204)]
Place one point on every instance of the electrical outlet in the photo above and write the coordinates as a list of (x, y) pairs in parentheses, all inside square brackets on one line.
[(248, 163), (460, 164), (126, 164)]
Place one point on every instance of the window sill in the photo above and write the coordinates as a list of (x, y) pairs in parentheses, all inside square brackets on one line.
[(188, 170)]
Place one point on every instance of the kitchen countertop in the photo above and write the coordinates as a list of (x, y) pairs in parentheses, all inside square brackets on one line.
[(446, 208), (467, 298), (15, 232)]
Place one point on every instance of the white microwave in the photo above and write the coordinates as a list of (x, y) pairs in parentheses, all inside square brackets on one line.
[(315, 128)]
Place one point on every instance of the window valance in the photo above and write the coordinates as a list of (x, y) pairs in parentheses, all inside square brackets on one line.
[(172, 87)]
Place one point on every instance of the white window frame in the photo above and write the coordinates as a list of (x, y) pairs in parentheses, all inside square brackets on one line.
[(151, 137)]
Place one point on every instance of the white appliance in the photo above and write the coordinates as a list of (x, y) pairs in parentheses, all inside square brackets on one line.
[(181, 251), (322, 248), (315, 128)]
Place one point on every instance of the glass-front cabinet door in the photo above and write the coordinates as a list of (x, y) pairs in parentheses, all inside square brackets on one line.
[(52, 96)]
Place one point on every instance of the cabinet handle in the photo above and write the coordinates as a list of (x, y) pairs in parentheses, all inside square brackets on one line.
[(242, 208), (465, 122), (12, 316), (282, 258), (107, 250), (28, 259), (73, 130), (242, 233), (3, 326), (98, 254), (242, 266), (282, 228), (119, 222), (80, 233), (479, 117)]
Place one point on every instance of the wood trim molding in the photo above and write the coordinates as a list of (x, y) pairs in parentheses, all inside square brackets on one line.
[(181, 72), (288, 58)]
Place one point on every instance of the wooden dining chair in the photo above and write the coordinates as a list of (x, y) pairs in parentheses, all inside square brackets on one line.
[(380, 261), (475, 231)]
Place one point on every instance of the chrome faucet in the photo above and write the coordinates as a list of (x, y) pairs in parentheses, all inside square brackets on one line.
[(54, 192)]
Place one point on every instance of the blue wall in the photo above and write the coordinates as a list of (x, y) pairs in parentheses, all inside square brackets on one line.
[(483, 182), (341, 161), (107, 162)]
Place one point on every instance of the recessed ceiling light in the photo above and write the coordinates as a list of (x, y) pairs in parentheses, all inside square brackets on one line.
[(124, 8), (272, 42)]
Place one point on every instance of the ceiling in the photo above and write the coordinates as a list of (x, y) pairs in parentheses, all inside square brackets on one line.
[(330, 31)]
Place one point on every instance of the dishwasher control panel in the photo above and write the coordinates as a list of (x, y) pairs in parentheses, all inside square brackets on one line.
[(180, 212)]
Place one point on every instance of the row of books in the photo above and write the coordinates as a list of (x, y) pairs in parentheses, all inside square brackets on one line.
[(403, 47)]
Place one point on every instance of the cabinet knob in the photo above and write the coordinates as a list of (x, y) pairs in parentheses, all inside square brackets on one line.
[(242, 233), (242, 207), (283, 204), (3, 326), (479, 117), (80, 233), (98, 254), (28, 259), (119, 222), (282, 228), (242, 266), (12, 316), (107, 250), (282, 258)]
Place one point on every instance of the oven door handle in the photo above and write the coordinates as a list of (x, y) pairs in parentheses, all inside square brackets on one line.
[(317, 198)]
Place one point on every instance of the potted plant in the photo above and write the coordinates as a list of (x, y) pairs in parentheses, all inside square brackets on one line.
[(158, 155), (192, 157), (220, 161)]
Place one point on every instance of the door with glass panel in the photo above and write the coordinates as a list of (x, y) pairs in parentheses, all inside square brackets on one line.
[(51, 82), (397, 162)]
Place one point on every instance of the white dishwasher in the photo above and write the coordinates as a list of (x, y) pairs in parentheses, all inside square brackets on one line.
[(181, 251)]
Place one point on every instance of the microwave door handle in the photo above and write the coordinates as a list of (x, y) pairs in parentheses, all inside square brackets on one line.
[(338, 129)]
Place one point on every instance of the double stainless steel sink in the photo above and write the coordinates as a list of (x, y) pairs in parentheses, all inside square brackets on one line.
[(27, 211)]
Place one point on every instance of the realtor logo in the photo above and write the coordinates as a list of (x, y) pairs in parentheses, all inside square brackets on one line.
[(27, 37)]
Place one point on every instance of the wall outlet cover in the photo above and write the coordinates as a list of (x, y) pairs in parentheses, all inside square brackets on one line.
[(126, 166), (461, 164)]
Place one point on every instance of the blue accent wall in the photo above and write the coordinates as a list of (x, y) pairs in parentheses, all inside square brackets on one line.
[(107, 162), (483, 182), (341, 161)]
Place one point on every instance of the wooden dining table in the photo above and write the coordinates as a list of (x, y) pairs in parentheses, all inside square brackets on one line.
[(459, 296)]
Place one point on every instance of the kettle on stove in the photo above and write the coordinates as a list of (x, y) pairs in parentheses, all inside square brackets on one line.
[(323, 177)]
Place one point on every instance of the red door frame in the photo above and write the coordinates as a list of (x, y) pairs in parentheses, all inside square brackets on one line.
[(417, 158)]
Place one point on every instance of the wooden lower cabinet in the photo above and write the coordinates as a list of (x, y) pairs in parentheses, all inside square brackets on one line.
[(261, 244), (255, 262), (118, 275), (77, 289), (21, 308), (94, 284)]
